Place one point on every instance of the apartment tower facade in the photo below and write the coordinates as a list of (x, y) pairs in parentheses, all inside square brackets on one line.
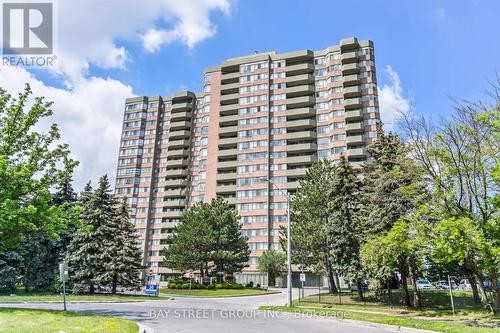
[(265, 115)]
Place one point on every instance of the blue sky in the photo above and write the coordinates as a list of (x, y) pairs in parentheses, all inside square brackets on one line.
[(427, 52)]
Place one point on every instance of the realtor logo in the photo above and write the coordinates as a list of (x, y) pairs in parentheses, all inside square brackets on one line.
[(27, 28)]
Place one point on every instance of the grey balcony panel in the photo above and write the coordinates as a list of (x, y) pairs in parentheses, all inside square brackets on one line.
[(302, 147), (226, 188), (300, 136), (298, 102), (229, 99), (298, 55), (300, 113), (355, 114), (229, 120), (174, 193), (228, 142), (228, 130), (228, 152), (176, 125), (230, 77), (173, 214), (352, 103), (348, 57), (356, 152), (299, 79), (179, 134), (174, 203), (226, 176), (302, 68), (354, 127), (351, 80), (177, 153), (349, 43), (178, 107), (351, 68), (177, 163), (352, 91), (355, 139), (227, 165), (177, 116), (178, 143), (299, 172), (301, 124), (229, 109), (301, 160), (230, 87), (175, 183), (302, 90), (176, 172)]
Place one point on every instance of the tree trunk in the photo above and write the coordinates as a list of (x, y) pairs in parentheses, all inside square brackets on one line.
[(360, 290), (404, 286), (331, 279), (496, 292), (91, 288), (417, 301), (475, 293), (114, 284)]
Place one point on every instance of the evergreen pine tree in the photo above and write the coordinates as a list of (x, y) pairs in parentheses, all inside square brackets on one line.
[(122, 257), (344, 230)]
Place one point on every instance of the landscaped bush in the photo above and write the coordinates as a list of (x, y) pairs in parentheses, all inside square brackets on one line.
[(185, 284), (249, 285)]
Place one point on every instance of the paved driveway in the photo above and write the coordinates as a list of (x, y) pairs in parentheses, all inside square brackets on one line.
[(218, 315)]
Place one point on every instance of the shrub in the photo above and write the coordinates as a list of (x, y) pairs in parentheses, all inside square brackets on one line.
[(211, 287), (185, 286), (258, 285), (219, 286), (249, 284)]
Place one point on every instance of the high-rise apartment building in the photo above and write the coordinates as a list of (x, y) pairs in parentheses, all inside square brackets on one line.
[(262, 115)]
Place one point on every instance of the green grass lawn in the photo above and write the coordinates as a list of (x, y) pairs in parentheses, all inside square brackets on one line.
[(45, 321), (213, 293), (51, 297), (433, 325)]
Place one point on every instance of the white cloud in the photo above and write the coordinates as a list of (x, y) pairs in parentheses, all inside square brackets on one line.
[(89, 32), (89, 117), (89, 111), (392, 100)]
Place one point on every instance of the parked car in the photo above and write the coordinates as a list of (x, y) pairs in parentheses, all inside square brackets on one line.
[(424, 284), (443, 284), (354, 287), (464, 285)]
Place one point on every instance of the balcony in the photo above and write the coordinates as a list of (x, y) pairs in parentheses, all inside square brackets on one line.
[(300, 113), (299, 79), (230, 77), (178, 143), (302, 124), (298, 102), (177, 125), (226, 176), (174, 193), (173, 213), (228, 153), (184, 115), (177, 173), (302, 147), (292, 185), (231, 200), (174, 203), (356, 152), (348, 57), (300, 136), (179, 134), (226, 188), (351, 68), (355, 140), (228, 109), (228, 142), (302, 90), (175, 183), (177, 153), (228, 131), (227, 165), (178, 107), (301, 160), (230, 88), (351, 80), (352, 91), (356, 114), (229, 120), (229, 99), (352, 103), (299, 172), (177, 163), (354, 127), (299, 69)]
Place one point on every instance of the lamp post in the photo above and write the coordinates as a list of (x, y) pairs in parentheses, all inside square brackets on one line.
[(288, 242)]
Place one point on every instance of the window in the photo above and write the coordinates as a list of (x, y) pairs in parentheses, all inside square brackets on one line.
[(249, 194), (251, 168), (251, 110), (252, 99), (276, 108), (338, 137), (207, 88), (333, 68), (322, 117), (278, 75), (278, 64), (319, 61), (275, 143), (338, 150), (278, 119), (252, 133), (278, 86), (324, 153), (245, 207), (278, 154), (281, 130), (320, 72), (252, 144), (278, 97), (323, 129), (254, 219), (339, 124), (276, 167), (247, 68), (254, 77), (254, 88), (251, 156), (252, 121)]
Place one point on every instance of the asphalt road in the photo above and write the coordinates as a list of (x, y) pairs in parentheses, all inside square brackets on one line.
[(218, 315)]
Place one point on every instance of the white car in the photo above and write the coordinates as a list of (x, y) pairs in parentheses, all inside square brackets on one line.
[(464, 285), (424, 284)]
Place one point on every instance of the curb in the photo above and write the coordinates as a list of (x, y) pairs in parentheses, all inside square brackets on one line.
[(71, 302), (145, 329), (392, 327), (172, 296)]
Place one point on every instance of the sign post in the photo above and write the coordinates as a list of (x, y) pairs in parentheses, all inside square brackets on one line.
[(451, 296), (152, 282), (63, 272)]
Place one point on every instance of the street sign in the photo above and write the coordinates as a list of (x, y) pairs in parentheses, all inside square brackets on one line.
[(63, 271), (302, 277), (152, 289)]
